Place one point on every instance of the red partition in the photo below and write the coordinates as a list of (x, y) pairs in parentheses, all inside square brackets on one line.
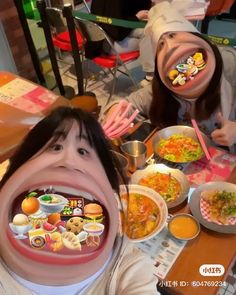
[(218, 7)]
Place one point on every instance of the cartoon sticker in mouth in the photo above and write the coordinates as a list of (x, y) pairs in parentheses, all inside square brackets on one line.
[(186, 71), (58, 221)]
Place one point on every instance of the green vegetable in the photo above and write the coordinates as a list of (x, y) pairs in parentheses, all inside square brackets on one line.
[(229, 211), (46, 198)]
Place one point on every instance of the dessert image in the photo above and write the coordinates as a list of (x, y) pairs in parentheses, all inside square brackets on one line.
[(38, 242), (20, 219), (75, 225), (38, 219), (20, 226)]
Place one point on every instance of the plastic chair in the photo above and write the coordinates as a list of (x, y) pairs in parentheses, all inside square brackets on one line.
[(218, 7), (94, 35), (60, 34), (215, 8)]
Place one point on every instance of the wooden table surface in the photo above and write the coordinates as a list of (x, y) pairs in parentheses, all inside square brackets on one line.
[(208, 248), (21, 99)]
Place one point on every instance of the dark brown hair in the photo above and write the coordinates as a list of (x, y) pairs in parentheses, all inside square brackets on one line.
[(164, 107), (44, 132)]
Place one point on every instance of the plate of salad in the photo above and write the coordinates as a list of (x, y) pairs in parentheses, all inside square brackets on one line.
[(178, 144), (171, 184)]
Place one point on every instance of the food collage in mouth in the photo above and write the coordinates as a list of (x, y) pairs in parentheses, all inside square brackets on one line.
[(59, 222), (186, 69)]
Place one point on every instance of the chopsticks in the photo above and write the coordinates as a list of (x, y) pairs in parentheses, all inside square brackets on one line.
[(201, 140), (117, 125)]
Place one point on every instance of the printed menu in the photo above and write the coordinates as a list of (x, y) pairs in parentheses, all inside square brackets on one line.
[(163, 250), (218, 169), (28, 97)]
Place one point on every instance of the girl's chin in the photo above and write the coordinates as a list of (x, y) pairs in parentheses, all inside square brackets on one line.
[(188, 93)]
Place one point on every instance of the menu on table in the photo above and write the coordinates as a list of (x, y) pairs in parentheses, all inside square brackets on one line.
[(25, 95), (218, 169), (163, 250)]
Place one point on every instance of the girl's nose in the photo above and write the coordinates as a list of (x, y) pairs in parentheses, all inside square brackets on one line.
[(169, 43), (71, 160)]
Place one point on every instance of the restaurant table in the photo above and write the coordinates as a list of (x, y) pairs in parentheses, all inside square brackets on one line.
[(208, 248), (22, 103)]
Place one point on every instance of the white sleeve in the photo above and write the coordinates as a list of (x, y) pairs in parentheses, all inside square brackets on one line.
[(135, 276)]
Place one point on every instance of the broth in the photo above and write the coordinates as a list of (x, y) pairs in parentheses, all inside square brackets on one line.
[(143, 216)]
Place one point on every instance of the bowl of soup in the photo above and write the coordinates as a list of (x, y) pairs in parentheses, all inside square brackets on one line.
[(145, 212), (52, 203), (179, 144), (183, 227)]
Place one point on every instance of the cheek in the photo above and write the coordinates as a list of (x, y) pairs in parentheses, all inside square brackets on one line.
[(159, 59)]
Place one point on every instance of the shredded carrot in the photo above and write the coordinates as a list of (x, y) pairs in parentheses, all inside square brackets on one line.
[(179, 148)]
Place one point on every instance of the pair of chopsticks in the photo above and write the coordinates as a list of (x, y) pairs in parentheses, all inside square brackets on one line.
[(201, 140), (118, 123)]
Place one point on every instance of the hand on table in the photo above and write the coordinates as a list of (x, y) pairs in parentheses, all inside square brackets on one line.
[(226, 135), (117, 122)]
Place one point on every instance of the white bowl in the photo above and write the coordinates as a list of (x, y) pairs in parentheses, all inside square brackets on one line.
[(20, 230), (154, 196), (175, 173), (52, 207), (94, 228)]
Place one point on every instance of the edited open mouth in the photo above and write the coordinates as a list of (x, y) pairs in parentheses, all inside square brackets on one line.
[(58, 225), (187, 68)]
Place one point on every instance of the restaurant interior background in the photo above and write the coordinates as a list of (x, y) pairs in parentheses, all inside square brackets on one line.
[(15, 57)]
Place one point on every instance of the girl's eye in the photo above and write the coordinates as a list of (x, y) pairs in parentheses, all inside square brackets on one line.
[(83, 152), (56, 147), (160, 45), (171, 35)]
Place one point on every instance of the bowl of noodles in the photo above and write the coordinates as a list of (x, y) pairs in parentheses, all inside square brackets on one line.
[(145, 212), (179, 144), (171, 184)]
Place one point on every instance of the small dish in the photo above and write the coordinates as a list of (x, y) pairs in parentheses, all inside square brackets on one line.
[(183, 227)]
